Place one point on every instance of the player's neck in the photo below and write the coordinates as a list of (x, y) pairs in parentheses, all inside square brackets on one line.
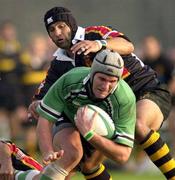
[(70, 54)]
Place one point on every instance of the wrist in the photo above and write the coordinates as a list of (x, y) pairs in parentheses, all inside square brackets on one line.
[(102, 44), (46, 153), (89, 135), (5, 151)]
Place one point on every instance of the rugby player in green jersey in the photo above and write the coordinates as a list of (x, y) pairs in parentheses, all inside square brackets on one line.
[(102, 86)]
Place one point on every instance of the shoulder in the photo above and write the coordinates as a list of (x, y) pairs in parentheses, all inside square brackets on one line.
[(60, 66), (104, 31), (124, 91), (125, 86), (72, 79), (56, 62), (97, 28), (75, 75), (78, 72)]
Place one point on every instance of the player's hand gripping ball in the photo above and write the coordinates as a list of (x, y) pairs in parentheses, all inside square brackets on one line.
[(103, 124)]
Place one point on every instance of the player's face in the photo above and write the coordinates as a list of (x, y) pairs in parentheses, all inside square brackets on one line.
[(60, 33), (103, 85)]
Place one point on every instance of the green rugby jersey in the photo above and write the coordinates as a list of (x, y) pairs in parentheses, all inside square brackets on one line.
[(69, 93)]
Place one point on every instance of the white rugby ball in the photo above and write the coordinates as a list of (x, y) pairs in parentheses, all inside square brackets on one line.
[(103, 124)]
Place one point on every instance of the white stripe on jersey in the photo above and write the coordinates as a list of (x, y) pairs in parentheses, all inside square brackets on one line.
[(31, 174), (141, 62), (107, 34), (127, 136), (50, 109)]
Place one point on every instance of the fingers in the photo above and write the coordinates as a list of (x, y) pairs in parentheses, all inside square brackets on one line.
[(32, 113), (6, 175), (95, 115), (53, 156), (87, 51), (85, 47), (79, 47), (79, 113), (59, 154), (82, 50)]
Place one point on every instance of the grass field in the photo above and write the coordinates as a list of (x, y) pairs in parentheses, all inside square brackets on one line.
[(127, 176)]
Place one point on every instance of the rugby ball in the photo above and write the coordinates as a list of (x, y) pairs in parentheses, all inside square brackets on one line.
[(103, 124)]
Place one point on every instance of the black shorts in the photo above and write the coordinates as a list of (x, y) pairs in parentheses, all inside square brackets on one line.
[(160, 95)]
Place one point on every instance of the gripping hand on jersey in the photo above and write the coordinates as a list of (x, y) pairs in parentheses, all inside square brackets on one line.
[(85, 47)]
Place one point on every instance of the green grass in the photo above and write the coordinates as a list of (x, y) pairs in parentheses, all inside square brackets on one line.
[(127, 176)]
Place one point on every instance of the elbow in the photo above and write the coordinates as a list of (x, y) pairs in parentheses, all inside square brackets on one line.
[(131, 48), (123, 157), (127, 49)]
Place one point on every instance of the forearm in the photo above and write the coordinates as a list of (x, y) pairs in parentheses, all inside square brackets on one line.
[(116, 152), (120, 45), (44, 134), (4, 151), (6, 168)]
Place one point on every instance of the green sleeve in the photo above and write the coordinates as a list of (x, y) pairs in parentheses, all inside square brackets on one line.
[(125, 122), (52, 104), (126, 125)]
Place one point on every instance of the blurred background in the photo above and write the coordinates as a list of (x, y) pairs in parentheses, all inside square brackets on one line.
[(26, 52), (135, 18)]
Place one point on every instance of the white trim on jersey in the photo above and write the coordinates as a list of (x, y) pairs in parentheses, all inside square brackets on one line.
[(60, 55), (18, 174), (141, 62), (50, 109), (108, 33), (31, 174), (80, 35)]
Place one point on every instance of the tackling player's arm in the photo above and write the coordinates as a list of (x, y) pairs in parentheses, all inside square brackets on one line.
[(51, 77), (117, 44), (56, 70), (110, 39), (6, 168), (120, 45)]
